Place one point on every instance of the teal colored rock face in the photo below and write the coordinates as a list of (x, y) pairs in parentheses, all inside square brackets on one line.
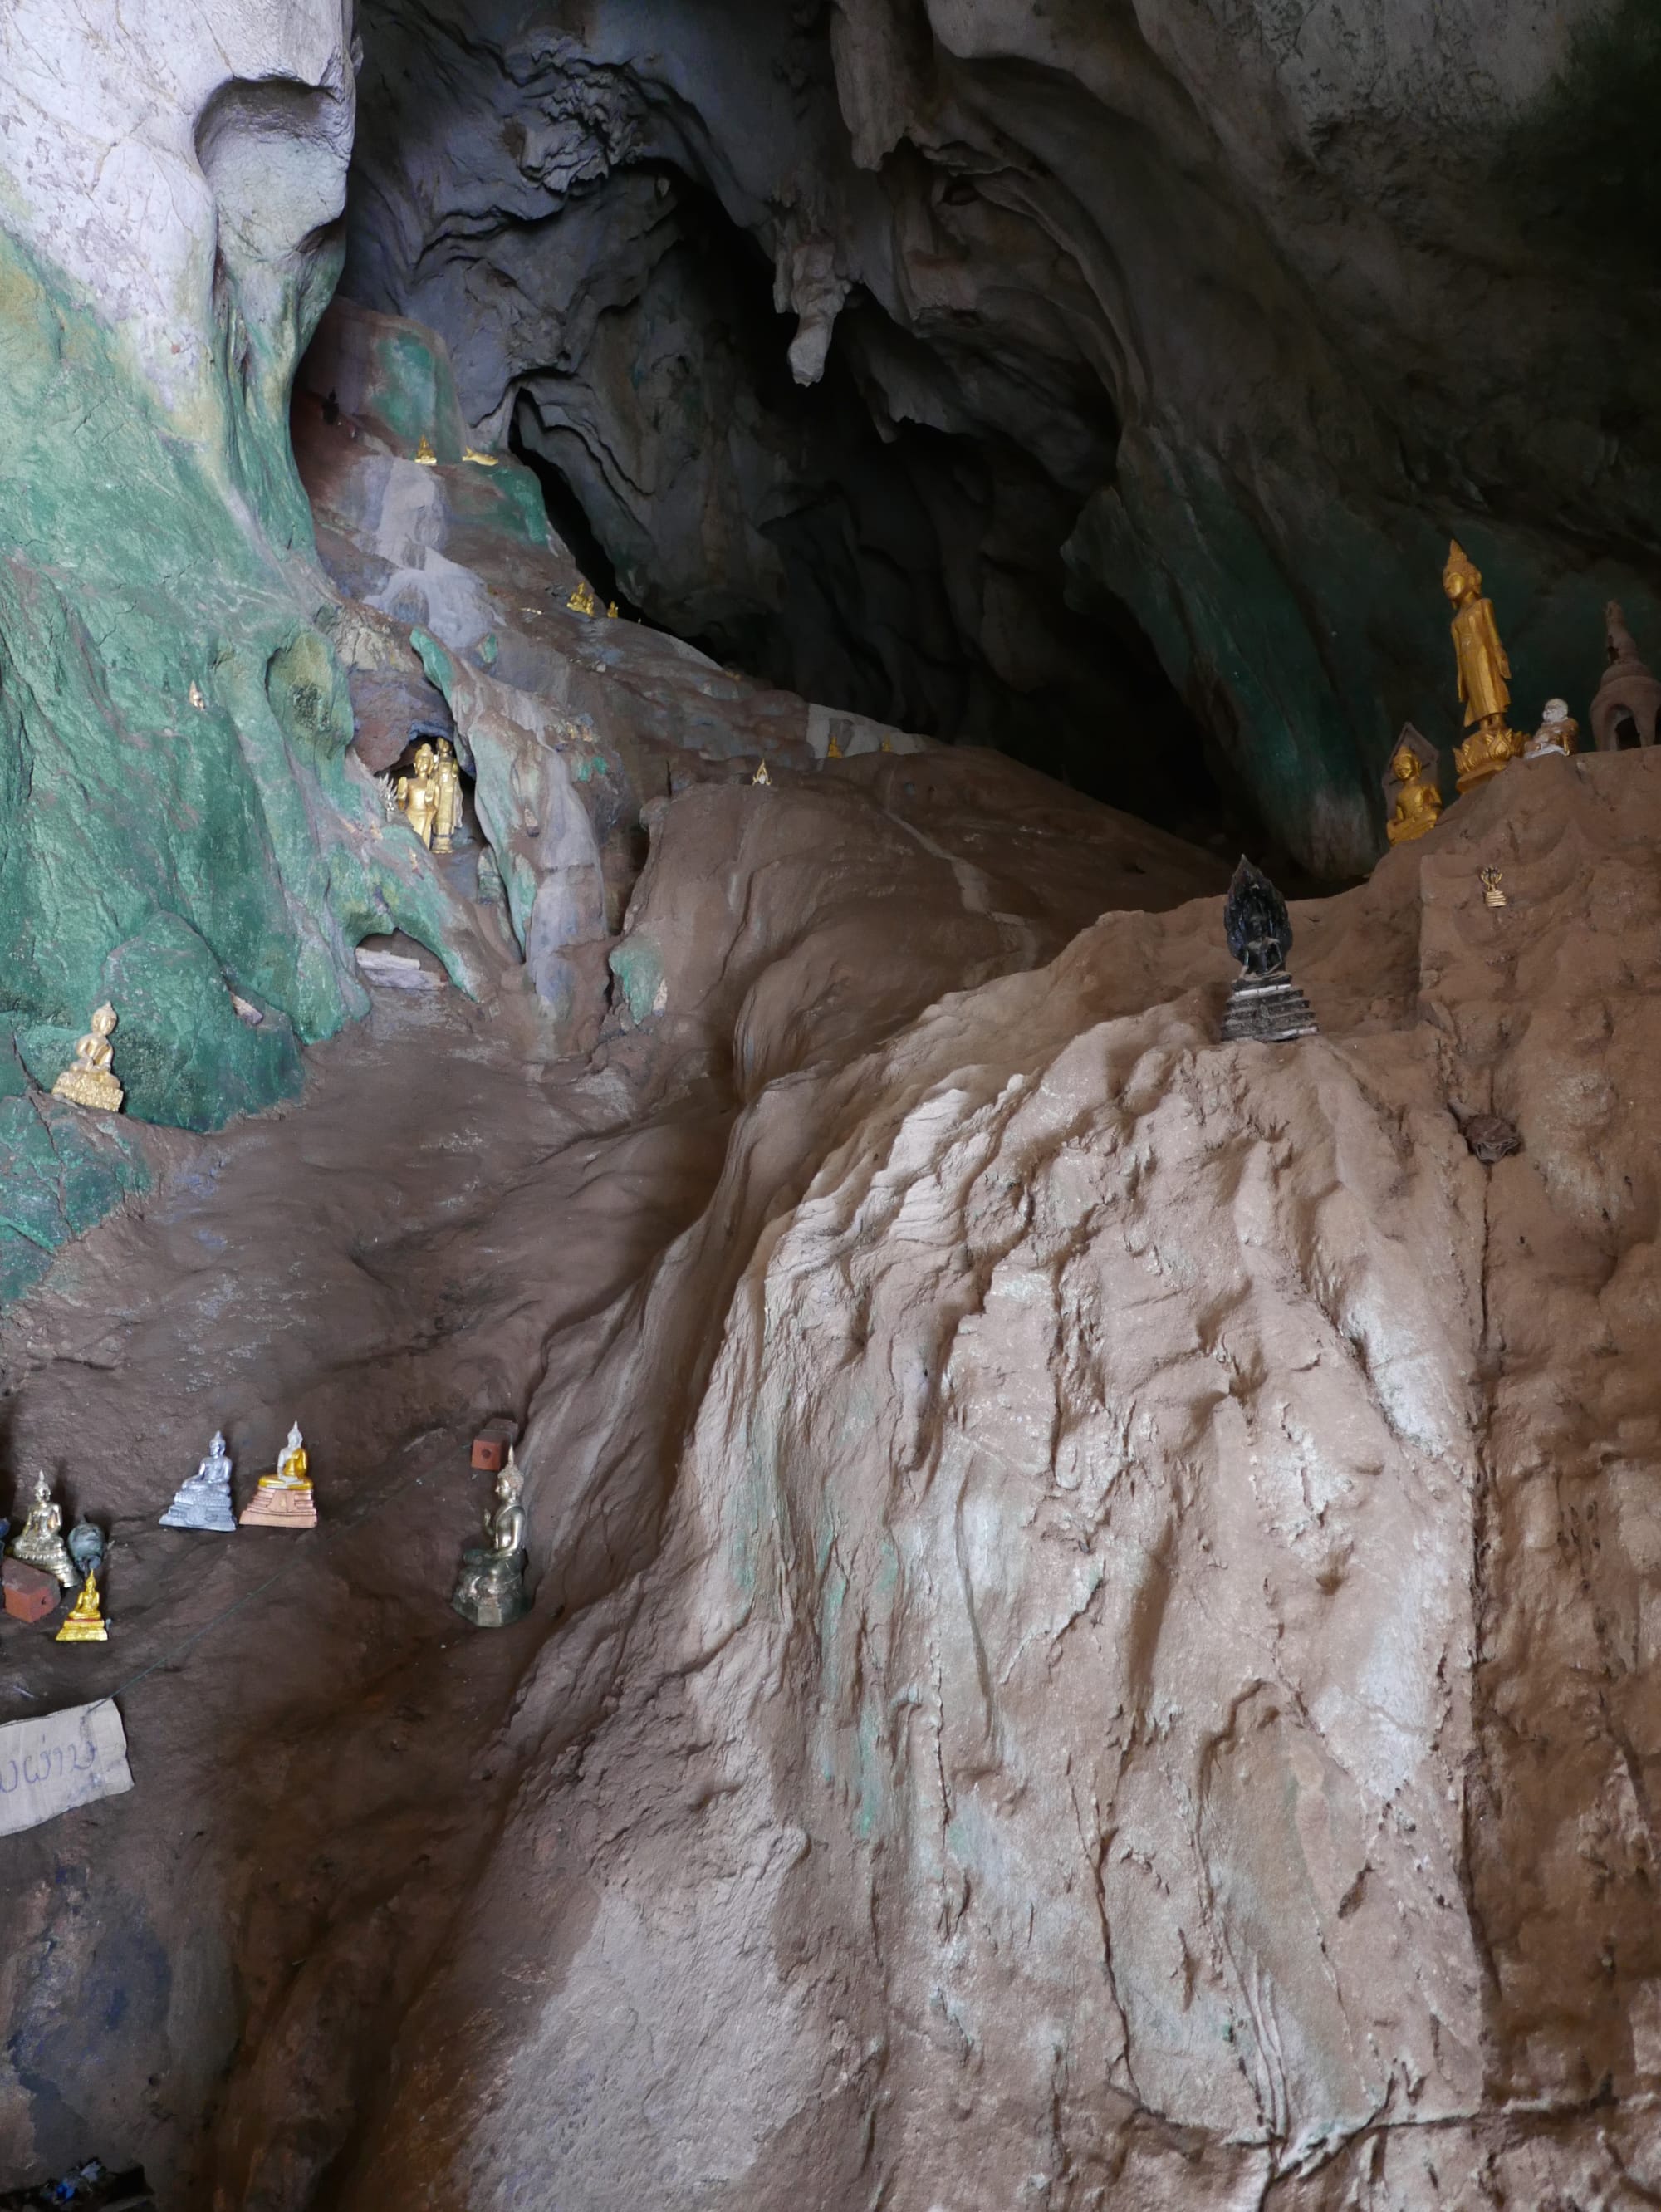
[(182, 1052), (61, 1170), (180, 816)]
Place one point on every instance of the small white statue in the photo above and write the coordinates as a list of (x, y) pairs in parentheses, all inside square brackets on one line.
[(1558, 732)]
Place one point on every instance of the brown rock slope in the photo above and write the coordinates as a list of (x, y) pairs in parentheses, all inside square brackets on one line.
[(1091, 1644)]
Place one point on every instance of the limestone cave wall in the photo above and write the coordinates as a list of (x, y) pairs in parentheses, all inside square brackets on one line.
[(1231, 312)]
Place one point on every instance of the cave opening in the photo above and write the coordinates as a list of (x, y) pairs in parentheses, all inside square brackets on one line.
[(880, 554)]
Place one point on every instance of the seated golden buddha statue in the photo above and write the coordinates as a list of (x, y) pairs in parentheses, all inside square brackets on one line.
[(284, 1499), (90, 1081), (490, 1589), (40, 1543), (84, 1623), (1409, 783)]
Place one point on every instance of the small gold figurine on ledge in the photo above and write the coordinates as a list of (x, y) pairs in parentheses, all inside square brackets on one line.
[(1492, 894), (40, 1543), (583, 601), (84, 1623), (1484, 670), (425, 457), (762, 776), (482, 460), (1410, 787), (285, 1500), (90, 1081)]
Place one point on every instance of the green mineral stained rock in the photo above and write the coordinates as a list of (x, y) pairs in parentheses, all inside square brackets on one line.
[(178, 817), (61, 1170)]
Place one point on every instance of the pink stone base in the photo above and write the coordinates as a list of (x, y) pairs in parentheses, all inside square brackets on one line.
[(279, 1508)]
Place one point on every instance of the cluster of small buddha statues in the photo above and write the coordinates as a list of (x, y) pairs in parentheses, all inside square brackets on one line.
[(1628, 696), (73, 1563), (489, 1592), (583, 602), (430, 796)]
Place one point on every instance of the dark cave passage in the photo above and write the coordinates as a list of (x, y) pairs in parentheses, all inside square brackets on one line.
[(866, 540)]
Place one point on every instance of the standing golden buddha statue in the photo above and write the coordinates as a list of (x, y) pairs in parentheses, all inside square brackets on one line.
[(418, 795), (1484, 674), (447, 799)]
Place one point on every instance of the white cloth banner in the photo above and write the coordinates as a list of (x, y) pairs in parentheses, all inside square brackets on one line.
[(51, 1763)]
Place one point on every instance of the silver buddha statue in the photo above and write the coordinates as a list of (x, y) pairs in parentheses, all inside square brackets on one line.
[(203, 1499), (490, 1588)]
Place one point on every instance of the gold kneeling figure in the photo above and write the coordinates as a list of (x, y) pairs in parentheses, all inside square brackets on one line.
[(89, 1081), (490, 1589)]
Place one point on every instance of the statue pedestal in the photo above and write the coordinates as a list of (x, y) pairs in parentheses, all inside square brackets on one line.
[(490, 1589), (1269, 1010), (1490, 748), (89, 1086), (203, 1505), (280, 1508)]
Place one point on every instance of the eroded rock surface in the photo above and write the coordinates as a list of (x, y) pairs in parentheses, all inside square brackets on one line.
[(1090, 1631)]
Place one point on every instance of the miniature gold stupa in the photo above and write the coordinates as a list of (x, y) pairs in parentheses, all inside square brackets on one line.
[(89, 1080), (84, 1623), (284, 1499)]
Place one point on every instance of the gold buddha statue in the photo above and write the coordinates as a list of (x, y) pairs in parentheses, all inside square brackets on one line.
[(40, 1543), (84, 1623), (425, 457), (447, 797), (490, 1588), (583, 601), (418, 793), (1408, 783), (1484, 674), (90, 1081), (762, 776), (284, 1499), (482, 460)]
